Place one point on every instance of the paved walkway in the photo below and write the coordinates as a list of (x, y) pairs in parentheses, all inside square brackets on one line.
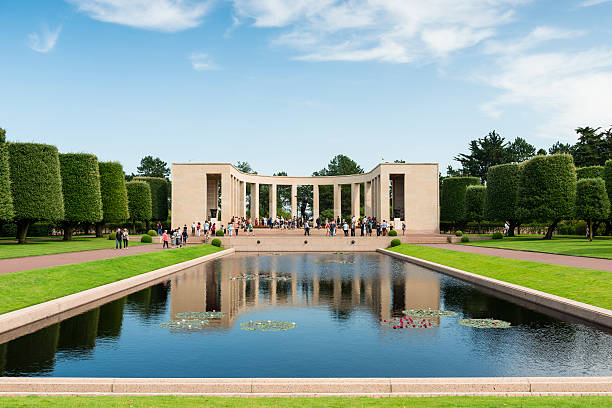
[(43, 261), (567, 260)]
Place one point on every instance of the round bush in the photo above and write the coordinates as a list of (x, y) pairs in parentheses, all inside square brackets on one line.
[(112, 236), (146, 239), (498, 235), (114, 192), (458, 233), (393, 233), (219, 233), (216, 242), (152, 233), (395, 242), (159, 196), (465, 238), (139, 200)]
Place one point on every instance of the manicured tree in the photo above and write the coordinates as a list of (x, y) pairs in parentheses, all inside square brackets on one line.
[(36, 185), (475, 197), (547, 190), (589, 172), (81, 187), (114, 195), (607, 177), (139, 201), (592, 202), (159, 197), (452, 199), (6, 199), (502, 194)]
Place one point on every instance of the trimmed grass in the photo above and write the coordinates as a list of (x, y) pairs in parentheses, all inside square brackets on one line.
[(27, 288), (601, 248), (584, 285), (34, 248), (330, 402)]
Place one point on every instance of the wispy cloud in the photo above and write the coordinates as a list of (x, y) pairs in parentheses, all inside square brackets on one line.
[(202, 62), (589, 3), (160, 15), (45, 40)]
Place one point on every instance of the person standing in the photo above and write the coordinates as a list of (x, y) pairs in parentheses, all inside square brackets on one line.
[(193, 228), (185, 237), (159, 228), (345, 227), (118, 238), (403, 228), (165, 240), (306, 228), (126, 237)]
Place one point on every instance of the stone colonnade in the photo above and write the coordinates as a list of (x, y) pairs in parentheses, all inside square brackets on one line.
[(392, 191)]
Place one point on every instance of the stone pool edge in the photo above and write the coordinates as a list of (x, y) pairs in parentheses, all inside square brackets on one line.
[(308, 387), (43, 314), (593, 314)]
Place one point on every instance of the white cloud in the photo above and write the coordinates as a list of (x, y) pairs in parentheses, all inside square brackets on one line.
[(381, 30), (202, 62), (536, 37), (589, 3), (45, 41), (160, 15)]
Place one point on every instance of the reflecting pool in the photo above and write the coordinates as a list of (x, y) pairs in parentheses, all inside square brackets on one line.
[(336, 301)]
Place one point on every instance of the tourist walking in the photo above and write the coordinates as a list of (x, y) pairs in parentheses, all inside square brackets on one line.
[(165, 240), (345, 227), (118, 237), (193, 229), (126, 237), (306, 228), (403, 228), (159, 228), (185, 237)]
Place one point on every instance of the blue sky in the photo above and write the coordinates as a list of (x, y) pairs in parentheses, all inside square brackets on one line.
[(288, 84)]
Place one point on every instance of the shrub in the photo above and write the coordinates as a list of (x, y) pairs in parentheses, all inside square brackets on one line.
[(216, 242), (395, 242), (112, 236), (458, 233), (607, 176), (393, 233), (6, 198), (139, 200), (159, 196), (452, 198), (147, 239), (114, 194), (465, 238), (219, 233), (36, 185), (81, 188), (152, 233), (498, 235), (589, 172), (502, 194), (475, 202), (592, 202), (548, 189)]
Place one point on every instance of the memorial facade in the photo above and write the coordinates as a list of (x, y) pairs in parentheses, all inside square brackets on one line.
[(405, 192)]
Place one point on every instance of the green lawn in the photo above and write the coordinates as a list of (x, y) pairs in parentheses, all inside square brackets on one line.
[(601, 248), (331, 402), (27, 288), (33, 248), (584, 285)]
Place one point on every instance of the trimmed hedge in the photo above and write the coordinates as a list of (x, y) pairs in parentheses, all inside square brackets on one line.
[(139, 200), (395, 242), (6, 198), (393, 233), (498, 235), (465, 238), (452, 199), (607, 176), (81, 188), (159, 196), (219, 233), (114, 192), (503, 192), (147, 239), (475, 197), (216, 242), (36, 184), (589, 172), (547, 190), (152, 233), (592, 202)]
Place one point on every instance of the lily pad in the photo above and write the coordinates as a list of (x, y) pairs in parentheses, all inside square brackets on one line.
[(485, 323), (428, 313), (200, 315), (184, 324), (408, 322), (267, 325)]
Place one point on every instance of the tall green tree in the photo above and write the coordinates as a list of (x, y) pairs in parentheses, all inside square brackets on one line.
[(547, 190), (139, 201), (114, 195), (245, 167), (592, 148), (452, 198), (502, 194), (6, 198), (159, 196), (153, 167), (81, 189), (592, 202), (607, 177), (520, 150), (561, 148), (475, 197), (36, 185), (339, 165)]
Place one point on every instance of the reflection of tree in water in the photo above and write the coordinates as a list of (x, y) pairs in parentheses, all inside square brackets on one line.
[(32, 354), (78, 334), (149, 303), (111, 319)]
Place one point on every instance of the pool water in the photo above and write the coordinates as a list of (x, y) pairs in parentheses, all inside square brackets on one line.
[(336, 301)]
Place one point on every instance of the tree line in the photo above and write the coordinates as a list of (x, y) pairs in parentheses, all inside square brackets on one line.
[(37, 183)]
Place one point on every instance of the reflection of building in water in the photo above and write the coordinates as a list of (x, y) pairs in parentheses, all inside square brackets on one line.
[(342, 287)]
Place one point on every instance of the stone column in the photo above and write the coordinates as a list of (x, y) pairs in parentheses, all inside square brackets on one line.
[(205, 197), (254, 200), (384, 196), (337, 201), (367, 200), (315, 203), (294, 209), (226, 198), (406, 199), (272, 200), (243, 195), (374, 197), (355, 198)]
